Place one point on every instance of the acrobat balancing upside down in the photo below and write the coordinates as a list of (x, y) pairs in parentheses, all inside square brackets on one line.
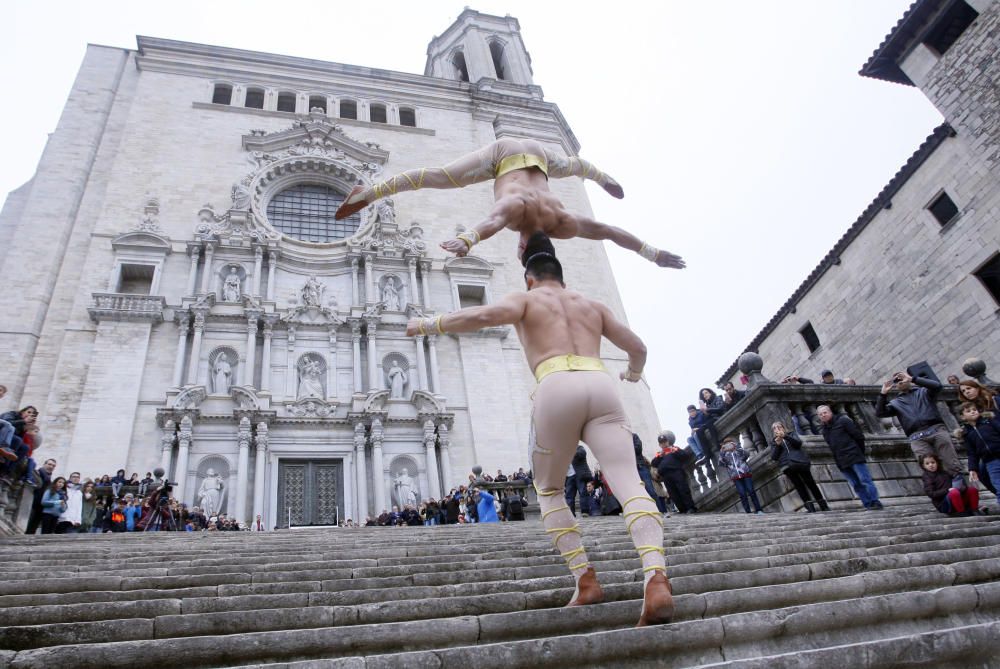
[(520, 169)]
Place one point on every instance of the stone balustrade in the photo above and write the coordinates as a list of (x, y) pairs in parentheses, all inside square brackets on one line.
[(124, 307), (893, 467)]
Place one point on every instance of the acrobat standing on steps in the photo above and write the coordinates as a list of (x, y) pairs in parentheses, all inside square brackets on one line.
[(576, 400), (521, 169)]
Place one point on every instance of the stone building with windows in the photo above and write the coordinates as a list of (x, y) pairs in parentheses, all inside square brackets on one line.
[(180, 295), (917, 275)]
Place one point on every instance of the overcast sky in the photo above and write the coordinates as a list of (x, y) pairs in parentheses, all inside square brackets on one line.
[(741, 131)]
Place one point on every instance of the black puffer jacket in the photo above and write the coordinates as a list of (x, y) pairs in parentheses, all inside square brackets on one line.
[(580, 467), (846, 441)]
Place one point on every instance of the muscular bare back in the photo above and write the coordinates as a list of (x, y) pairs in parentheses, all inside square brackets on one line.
[(558, 321)]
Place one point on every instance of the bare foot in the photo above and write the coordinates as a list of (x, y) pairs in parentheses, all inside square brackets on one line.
[(668, 259), (657, 602), (588, 590), (614, 189), (456, 246), (350, 207)]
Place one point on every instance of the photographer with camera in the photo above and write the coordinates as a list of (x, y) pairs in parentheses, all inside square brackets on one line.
[(919, 417)]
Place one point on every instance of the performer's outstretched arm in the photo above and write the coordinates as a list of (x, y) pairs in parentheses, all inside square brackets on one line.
[(588, 228), (507, 311), (504, 211)]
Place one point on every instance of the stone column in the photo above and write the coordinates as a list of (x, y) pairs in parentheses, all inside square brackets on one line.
[(331, 365), (374, 378), (445, 440), (432, 468), (412, 296), (370, 297), (248, 369), (421, 364), (378, 478), (355, 297), (242, 470), (435, 379), (195, 252), (425, 274), (183, 451), (167, 445), (361, 472), (258, 473), (258, 265), (265, 356), (291, 372), (199, 330), (207, 273), (272, 261), (183, 326), (356, 345)]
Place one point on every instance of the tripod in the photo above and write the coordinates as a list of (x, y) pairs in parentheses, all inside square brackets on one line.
[(161, 518)]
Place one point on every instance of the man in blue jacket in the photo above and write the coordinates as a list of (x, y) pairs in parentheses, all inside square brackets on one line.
[(484, 506)]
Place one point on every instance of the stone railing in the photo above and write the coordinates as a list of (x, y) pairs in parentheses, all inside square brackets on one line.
[(123, 307), (890, 459), (15, 506)]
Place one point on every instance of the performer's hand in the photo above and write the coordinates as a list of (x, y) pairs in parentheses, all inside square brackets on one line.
[(668, 259), (411, 327), (456, 246)]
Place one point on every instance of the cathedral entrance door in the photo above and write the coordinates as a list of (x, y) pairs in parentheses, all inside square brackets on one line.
[(310, 492)]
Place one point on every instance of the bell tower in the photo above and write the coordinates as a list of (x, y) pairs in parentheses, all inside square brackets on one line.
[(480, 46)]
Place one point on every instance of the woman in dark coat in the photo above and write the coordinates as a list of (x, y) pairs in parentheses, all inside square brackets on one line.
[(787, 451)]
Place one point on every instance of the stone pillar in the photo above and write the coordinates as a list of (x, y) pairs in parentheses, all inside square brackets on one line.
[(258, 473), (356, 345), (435, 379), (242, 470), (195, 252), (425, 274), (183, 451), (421, 365), (355, 297), (361, 472), (370, 297), (331, 365), (199, 330), (432, 468), (412, 296), (445, 441), (258, 265), (378, 478), (374, 377), (272, 261), (291, 372), (167, 445), (206, 275), (265, 356), (183, 326), (248, 369)]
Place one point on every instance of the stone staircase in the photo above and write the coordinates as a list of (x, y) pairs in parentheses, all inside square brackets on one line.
[(902, 587)]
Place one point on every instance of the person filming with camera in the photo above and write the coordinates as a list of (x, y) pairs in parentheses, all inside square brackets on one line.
[(917, 413)]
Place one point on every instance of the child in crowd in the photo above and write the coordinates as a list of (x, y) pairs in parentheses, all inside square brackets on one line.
[(734, 458), (88, 518), (145, 483), (982, 442), (132, 511), (946, 498), (117, 483)]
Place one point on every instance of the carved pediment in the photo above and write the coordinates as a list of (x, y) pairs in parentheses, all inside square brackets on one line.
[(468, 265), (142, 240), (190, 397), (376, 401), (426, 403), (318, 316), (235, 225), (311, 407), (245, 398), (317, 135), (386, 238)]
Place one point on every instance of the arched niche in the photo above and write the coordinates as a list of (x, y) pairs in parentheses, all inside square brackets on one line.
[(222, 374)]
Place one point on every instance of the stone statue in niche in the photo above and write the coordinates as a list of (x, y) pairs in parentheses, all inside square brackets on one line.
[(386, 209), (310, 378), (241, 196), (403, 489), (210, 494), (222, 374), (397, 381), (390, 295), (312, 293), (231, 287)]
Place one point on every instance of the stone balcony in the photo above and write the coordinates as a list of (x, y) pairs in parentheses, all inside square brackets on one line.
[(893, 467), (124, 307)]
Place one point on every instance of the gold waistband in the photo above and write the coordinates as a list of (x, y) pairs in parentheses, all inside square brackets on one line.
[(568, 363), (521, 161)]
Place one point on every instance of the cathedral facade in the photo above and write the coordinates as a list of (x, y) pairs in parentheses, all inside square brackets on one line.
[(182, 297)]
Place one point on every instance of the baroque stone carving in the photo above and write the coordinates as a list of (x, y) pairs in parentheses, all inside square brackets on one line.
[(312, 368), (311, 408), (222, 374), (404, 489), (245, 398), (392, 296), (190, 398), (397, 379), (312, 292), (150, 213), (210, 493), (231, 287), (387, 239)]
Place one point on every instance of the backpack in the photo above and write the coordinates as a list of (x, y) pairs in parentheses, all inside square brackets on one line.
[(514, 506)]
